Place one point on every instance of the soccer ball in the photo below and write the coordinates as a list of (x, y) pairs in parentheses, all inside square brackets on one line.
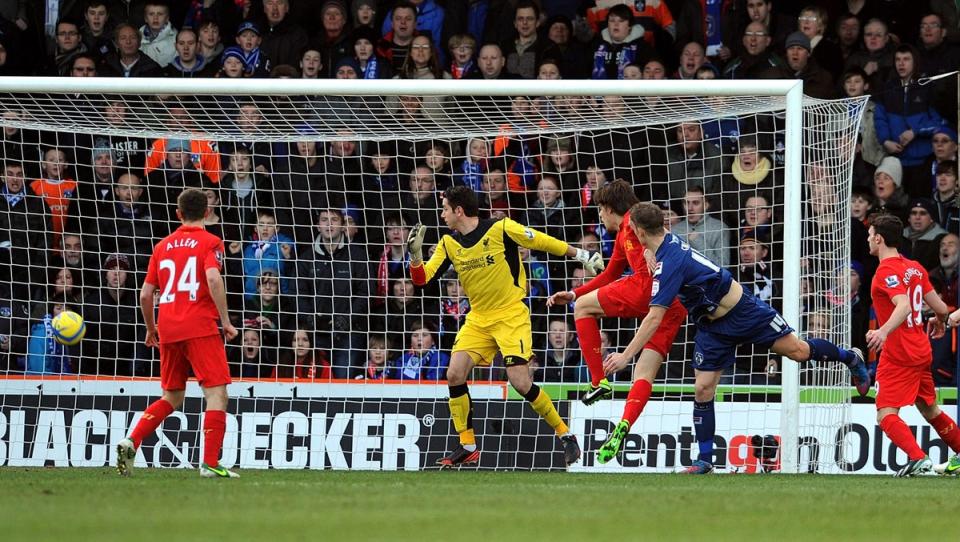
[(68, 328)]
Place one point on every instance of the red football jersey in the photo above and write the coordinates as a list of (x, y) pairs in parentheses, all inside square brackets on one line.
[(178, 267), (627, 249), (908, 344)]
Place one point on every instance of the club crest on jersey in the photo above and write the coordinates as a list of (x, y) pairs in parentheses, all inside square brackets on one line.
[(528, 232), (656, 287), (892, 281)]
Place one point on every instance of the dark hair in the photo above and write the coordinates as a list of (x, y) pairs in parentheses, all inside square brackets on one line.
[(648, 217), (192, 204), (618, 196), (404, 4), (67, 21), (463, 197), (906, 48), (623, 11), (86, 55), (527, 4), (864, 194), (947, 166), (284, 70), (749, 141), (855, 71), (889, 227)]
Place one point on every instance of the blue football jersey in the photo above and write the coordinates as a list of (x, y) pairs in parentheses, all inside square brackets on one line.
[(685, 273)]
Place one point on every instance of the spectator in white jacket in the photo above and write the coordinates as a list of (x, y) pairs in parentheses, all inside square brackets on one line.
[(159, 37)]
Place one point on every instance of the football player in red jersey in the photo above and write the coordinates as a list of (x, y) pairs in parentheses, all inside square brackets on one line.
[(611, 295), (187, 331), (899, 289)]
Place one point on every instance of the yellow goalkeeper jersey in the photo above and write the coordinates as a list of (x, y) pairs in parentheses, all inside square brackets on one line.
[(488, 263)]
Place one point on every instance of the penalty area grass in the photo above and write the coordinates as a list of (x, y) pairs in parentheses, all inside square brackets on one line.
[(175, 504)]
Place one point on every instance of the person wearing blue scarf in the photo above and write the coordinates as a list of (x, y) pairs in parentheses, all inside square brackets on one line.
[(423, 361), (44, 354), (248, 39)]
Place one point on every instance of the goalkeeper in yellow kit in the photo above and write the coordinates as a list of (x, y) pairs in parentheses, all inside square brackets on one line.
[(486, 256)]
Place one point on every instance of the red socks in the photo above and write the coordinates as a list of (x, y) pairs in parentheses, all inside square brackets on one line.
[(152, 418), (636, 400), (947, 429), (214, 425), (588, 332), (893, 426)]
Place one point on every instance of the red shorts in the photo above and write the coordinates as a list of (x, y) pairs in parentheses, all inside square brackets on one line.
[(900, 386), (205, 355), (630, 298)]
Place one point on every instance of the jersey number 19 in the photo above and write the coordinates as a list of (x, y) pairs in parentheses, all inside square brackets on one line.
[(915, 295)]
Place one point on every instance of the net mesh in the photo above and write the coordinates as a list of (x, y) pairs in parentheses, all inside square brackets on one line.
[(314, 197)]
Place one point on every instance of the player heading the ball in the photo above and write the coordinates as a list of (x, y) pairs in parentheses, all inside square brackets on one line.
[(610, 294), (186, 331), (725, 318), (486, 256)]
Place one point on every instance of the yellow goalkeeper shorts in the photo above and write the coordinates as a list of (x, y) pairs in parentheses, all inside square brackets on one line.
[(507, 331)]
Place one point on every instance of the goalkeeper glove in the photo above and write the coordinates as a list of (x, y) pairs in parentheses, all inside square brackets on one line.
[(415, 242), (592, 261)]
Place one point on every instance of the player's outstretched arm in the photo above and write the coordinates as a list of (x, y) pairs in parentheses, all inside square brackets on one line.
[(147, 309), (219, 294), (537, 240), (618, 360)]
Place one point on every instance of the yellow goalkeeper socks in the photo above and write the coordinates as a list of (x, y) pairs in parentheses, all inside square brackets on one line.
[(542, 404), (461, 410)]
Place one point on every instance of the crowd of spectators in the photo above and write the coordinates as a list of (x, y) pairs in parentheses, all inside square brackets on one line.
[(314, 231)]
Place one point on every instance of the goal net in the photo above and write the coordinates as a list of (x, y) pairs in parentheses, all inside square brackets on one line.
[(313, 187)]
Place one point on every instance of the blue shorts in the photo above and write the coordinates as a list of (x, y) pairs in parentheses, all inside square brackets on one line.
[(751, 321)]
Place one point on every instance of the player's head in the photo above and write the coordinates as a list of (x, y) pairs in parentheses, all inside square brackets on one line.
[(615, 200), (191, 205), (459, 202), (886, 230), (646, 219)]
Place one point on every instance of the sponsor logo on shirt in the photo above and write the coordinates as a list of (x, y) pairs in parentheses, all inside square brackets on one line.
[(892, 281)]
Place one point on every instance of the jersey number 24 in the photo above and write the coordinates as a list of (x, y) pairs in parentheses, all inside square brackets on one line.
[(186, 282)]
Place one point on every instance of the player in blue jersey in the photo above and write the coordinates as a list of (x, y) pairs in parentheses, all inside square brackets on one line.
[(725, 318)]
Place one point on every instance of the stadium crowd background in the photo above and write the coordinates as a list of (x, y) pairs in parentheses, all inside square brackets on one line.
[(325, 293)]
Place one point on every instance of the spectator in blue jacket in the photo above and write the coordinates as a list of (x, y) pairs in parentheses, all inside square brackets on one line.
[(905, 121), (429, 21), (269, 250), (422, 360), (44, 354)]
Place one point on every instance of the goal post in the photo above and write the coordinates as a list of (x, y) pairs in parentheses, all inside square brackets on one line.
[(808, 144)]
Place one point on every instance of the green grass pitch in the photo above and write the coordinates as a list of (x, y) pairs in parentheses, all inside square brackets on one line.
[(174, 505)]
